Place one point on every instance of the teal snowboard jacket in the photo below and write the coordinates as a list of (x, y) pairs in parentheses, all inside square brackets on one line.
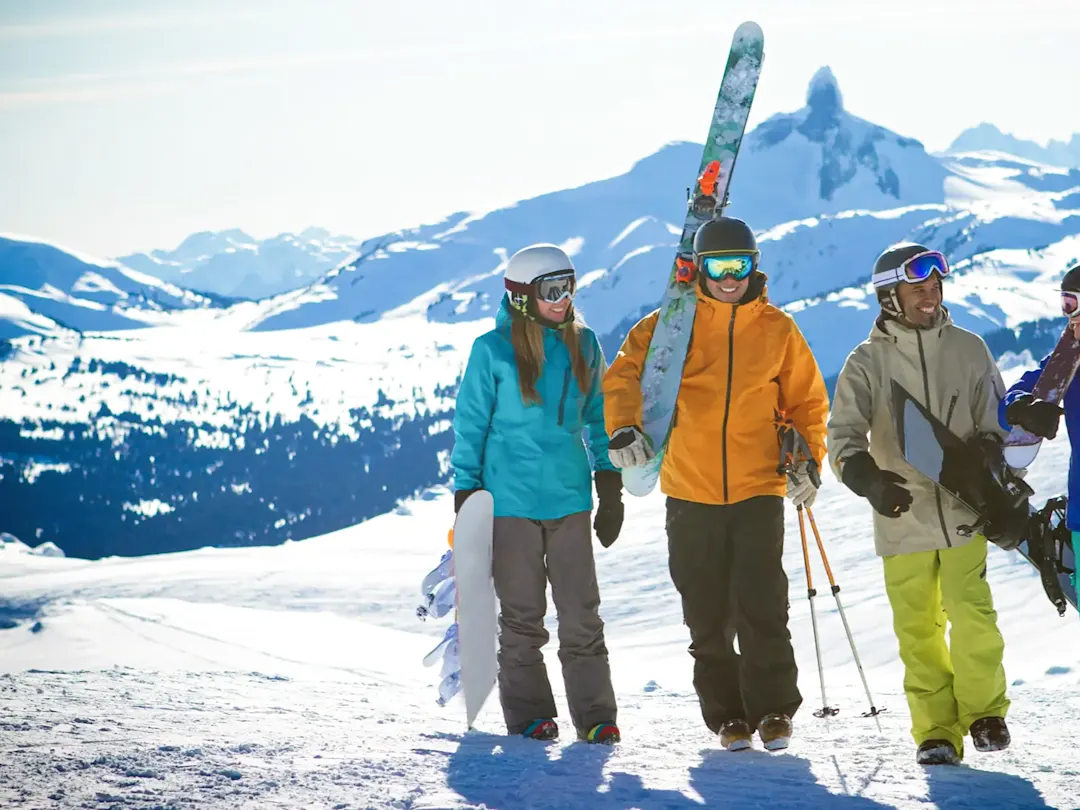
[(534, 459)]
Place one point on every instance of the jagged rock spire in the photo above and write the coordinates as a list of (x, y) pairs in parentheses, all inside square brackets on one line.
[(823, 94)]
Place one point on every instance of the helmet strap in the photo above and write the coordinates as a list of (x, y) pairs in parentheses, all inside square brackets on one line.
[(893, 300), (519, 301), (526, 305)]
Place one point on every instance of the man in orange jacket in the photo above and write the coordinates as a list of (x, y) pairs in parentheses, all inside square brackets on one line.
[(747, 362)]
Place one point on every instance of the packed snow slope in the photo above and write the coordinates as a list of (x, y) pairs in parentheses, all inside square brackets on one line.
[(290, 677)]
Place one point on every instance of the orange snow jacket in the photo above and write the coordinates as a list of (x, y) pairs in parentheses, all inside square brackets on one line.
[(746, 364)]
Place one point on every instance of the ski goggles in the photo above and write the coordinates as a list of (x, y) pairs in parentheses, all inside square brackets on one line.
[(554, 288), (918, 268), (551, 289), (1070, 304), (737, 265)]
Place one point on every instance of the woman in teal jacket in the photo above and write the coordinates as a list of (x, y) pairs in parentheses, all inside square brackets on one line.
[(532, 386)]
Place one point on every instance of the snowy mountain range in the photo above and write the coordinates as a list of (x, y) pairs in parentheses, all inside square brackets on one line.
[(231, 263), (46, 289), (988, 138), (239, 422)]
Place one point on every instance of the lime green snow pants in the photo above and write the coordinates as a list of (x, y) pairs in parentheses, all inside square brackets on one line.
[(948, 687)]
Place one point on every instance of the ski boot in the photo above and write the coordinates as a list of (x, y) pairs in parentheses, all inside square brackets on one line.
[(602, 733), (775, 731), (736, 735), (543, 729), (990, 734), (937, 752)]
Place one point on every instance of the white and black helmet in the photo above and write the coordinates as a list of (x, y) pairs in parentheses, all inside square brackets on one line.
[(541, 271)]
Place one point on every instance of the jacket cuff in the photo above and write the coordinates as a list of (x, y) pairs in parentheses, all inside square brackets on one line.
[(608, 485), (859, 471)]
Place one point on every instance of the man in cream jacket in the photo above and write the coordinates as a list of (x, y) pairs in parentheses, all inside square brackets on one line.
[(933, 575)]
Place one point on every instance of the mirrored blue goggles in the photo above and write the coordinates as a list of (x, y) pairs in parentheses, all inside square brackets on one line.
[(1070, 304), (737, 265), (554, 288), (922, 266)]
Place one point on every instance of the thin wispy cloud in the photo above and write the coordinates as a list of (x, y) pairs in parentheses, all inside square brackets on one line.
[(96, 25), (142, 81)]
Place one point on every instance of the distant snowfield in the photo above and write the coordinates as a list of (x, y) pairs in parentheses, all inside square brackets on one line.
[(204, 373), (291, 677)]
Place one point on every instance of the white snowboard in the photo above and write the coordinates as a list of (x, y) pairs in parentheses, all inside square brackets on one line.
[(476, 603)]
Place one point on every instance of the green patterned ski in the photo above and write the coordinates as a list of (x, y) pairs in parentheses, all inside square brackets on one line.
[(664, 361)]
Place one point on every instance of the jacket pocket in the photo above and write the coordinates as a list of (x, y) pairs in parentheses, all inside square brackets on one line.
[(951, 408), (562, 398)]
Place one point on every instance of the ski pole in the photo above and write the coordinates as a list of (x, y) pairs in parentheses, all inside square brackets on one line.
[(826, 710), (874, 711)]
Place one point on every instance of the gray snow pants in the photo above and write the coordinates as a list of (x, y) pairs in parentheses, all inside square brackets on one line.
[(526, 555)]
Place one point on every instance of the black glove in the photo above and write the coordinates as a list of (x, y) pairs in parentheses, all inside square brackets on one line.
[(963, 469), (980, 471), (1034, 415), (1008, 526), (460, 496), (609, 512), (881, 487)]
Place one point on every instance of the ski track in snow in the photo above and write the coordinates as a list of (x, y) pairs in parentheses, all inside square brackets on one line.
[(290, 677), (139, 739)]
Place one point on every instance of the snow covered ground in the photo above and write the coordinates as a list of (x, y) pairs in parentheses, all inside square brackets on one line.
[(290, 677)]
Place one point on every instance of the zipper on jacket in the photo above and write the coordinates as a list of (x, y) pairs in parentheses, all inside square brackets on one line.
[(562, 399), (952, 406), (727, 393), (929, 407)]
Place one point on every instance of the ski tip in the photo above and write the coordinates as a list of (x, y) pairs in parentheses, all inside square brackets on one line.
[(749, 30)]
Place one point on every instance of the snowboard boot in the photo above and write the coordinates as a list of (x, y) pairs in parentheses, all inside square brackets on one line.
[(775, 731), (542, 729), (736, 735), (603, 733), (990, 734), (937, 752)]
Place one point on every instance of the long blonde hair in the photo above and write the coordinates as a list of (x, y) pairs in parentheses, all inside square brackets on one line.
[(527, 338)]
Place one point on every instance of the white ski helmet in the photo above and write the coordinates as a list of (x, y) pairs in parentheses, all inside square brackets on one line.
[(541, 271), (531, 262)]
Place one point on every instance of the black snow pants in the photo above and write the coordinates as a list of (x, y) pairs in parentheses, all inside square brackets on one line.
[(725, 561)]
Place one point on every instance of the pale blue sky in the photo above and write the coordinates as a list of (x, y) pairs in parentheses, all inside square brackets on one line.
[(128, 125)]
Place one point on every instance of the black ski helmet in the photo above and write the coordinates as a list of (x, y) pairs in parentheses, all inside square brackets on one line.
[(1071, 282), (892, 258), (724, 235)]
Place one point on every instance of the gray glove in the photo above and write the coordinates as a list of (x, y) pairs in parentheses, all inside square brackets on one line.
[(628, 447), (801, 491)]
